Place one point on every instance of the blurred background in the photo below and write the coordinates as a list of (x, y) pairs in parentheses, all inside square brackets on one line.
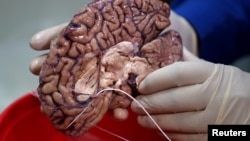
[(19, 20)]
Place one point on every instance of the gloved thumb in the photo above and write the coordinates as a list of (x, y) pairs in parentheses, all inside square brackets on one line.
[(190, 70), (188, 56), (186, 31)]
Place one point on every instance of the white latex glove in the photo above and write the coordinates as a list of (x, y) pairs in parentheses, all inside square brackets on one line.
[(186, 31), (185, 97), (41, 41)]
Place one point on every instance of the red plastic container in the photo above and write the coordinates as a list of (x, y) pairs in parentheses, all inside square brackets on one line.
[(23, 121)]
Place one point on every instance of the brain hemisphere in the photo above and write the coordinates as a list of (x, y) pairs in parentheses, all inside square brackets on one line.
[(108, 43)]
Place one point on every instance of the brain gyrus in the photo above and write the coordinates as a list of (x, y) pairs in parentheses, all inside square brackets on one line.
[(107, 44)]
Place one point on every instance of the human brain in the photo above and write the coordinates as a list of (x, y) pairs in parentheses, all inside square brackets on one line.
[(107, 44)]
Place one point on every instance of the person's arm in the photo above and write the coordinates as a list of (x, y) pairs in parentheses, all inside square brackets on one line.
[(222, 27)]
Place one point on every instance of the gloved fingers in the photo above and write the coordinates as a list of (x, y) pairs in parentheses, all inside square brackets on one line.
[(187, 137), (120, 114), (175, 100), (187, 122), (36, 64), (175, 75), (41, 40)]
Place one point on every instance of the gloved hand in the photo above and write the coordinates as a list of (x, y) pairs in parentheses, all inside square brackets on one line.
[(41, 41), (185, 97), (186, 31)]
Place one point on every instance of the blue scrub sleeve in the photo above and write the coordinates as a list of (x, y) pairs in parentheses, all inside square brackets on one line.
[(222, 26)]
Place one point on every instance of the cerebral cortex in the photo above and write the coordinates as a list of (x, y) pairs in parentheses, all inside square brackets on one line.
[(107, 44)]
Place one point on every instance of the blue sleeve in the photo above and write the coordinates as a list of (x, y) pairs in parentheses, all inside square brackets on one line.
[(222, 26)]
